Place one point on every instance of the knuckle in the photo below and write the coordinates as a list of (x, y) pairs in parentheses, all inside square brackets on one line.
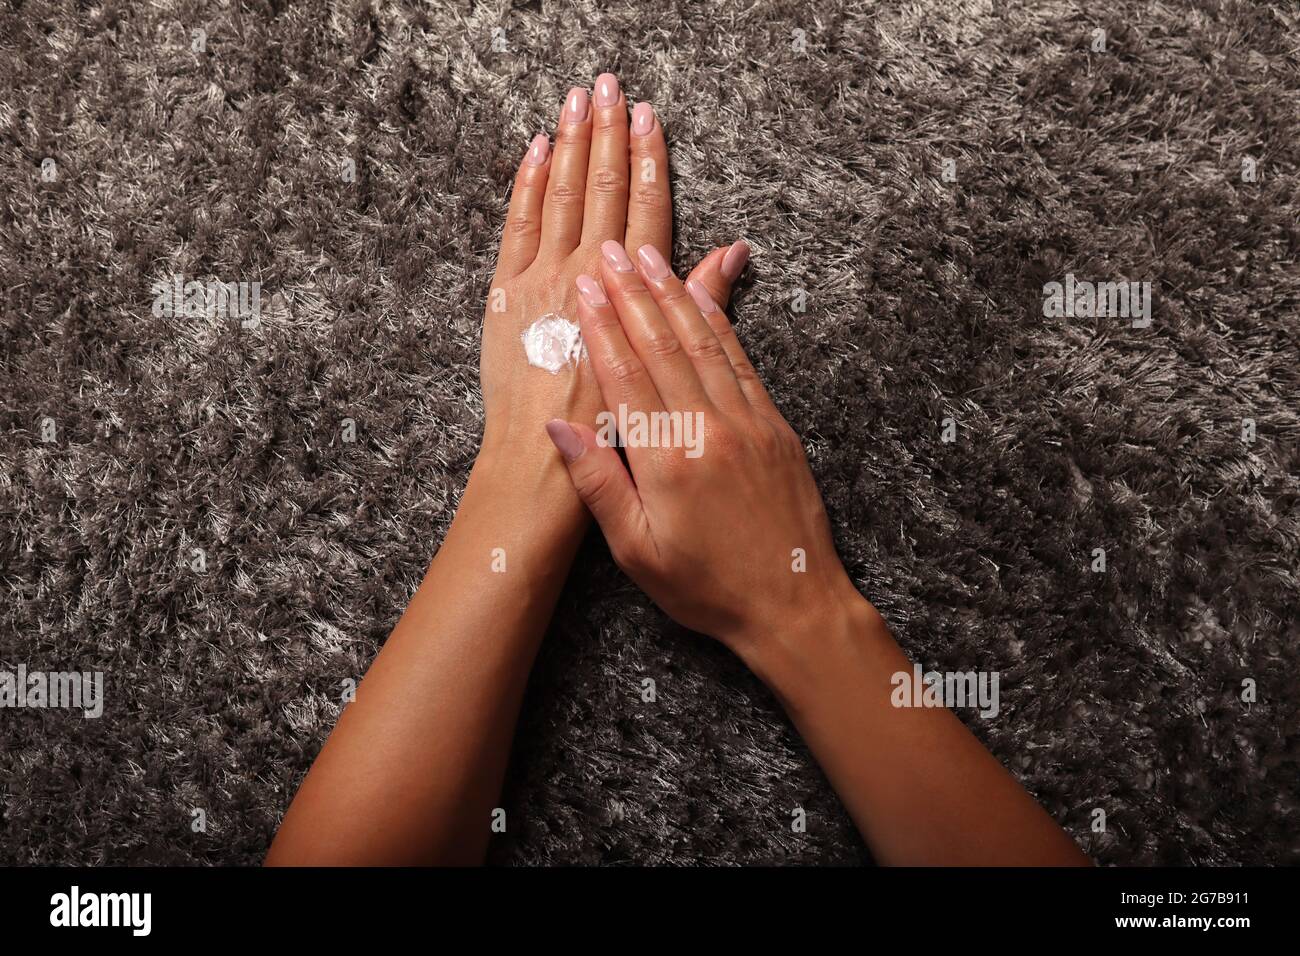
[(673, 467), (663, 345), (572, 134), (772, 438), (603, 320), (672, 294), (610, 120), (745, 373), (564, 194), (647, 194), (723, 330), (769, 441), (593, 485), (522, 225), (607, 183), (529, 177), (705, 349), (625, 370), (633, 291), (648, 147), (790, 438), (725, 444)]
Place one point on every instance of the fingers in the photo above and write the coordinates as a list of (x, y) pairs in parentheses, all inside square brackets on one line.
[(566, 186), (605, 488), (523, 227), (651, 336), (684, 311), (729, 266), (650, 204), (604, 215), (716, 279), (620, 373)]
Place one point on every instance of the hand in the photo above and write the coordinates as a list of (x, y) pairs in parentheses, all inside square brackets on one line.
[(602, 181), (729, 536)]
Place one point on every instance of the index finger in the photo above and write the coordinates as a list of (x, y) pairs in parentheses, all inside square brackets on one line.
[(620, 373)]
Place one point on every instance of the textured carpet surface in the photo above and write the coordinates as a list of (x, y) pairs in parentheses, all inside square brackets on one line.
[(827, 150)]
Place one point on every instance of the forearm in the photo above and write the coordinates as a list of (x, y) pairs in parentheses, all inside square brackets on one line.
[(920, 787), (414, 766)]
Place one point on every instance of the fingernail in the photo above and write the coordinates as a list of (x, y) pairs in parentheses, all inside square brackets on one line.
[(643, 119), (591, 291), (575, 107), (539, 149), (616, 256), (653, 263), (565, 439), (703, 300), (733, 263), (606, 90)]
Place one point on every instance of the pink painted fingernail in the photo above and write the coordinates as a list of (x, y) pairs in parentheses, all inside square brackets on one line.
[(643, 119), (539, 149), (653, 263), (733, 263), (575, 106), (703, 300), (606, 90), (591, 292), (565, 439), (616, 256)]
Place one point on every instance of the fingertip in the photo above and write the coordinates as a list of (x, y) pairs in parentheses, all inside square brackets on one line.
[(643, 119), (734, 261), (590, 291), (653, 263), (708, 273), (607, 91), (566, 440), (711, 263), (615, 257), (577, 106), (539, 150), (699, 293)]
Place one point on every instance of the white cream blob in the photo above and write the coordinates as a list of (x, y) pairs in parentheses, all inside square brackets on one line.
[(552, 342)]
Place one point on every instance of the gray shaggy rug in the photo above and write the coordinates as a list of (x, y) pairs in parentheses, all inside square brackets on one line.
[(137, 448)]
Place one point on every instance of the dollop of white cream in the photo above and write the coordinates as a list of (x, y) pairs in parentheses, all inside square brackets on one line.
[(552, 342)]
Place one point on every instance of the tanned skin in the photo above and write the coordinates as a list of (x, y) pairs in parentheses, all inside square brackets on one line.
[(414, 767)]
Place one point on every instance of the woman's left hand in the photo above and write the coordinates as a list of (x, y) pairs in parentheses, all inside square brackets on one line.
[(604, 180)]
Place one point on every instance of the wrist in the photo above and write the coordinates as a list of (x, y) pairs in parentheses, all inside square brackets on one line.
[(521, 512), (844, 634), (526, 476)]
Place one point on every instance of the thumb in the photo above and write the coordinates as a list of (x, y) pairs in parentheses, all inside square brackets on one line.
[(604, 486), (719, 270)]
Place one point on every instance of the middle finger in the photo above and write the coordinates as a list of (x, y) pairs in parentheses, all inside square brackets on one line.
[(650, 334)]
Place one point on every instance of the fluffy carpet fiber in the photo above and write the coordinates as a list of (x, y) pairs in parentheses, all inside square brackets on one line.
[(1169, 156)]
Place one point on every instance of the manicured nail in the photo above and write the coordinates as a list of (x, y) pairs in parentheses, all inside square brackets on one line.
[(565, 439), (643, 119), (591, 292), (606, 90), (616, 256), (539, 149), (733, 263), (703, 300), (575, 107), (653, 263)]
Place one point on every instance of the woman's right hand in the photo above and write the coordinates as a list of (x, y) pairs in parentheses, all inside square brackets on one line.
[(729, 536), (735, 543)]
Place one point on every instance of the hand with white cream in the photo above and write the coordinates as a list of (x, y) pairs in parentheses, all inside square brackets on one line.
[(606, 178), (412, 772)]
